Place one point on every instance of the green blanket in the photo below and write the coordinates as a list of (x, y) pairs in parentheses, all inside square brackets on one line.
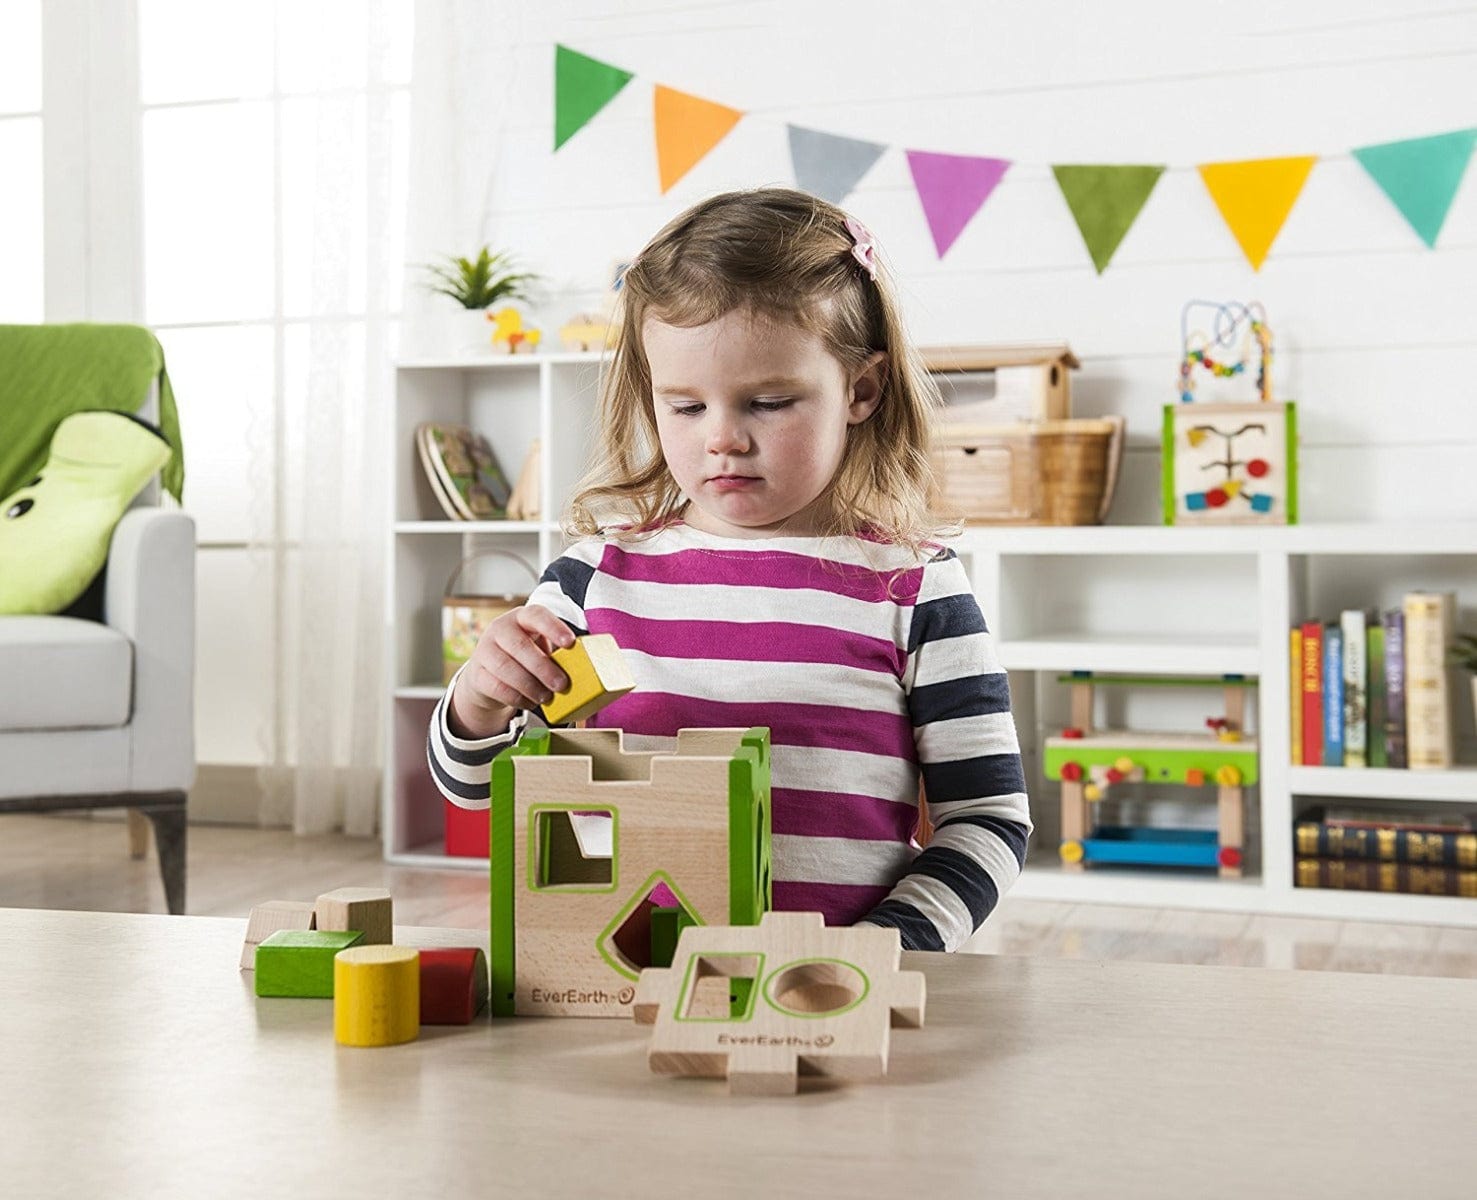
[(48, 372)]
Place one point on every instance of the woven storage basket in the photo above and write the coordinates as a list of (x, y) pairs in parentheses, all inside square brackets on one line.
[(1041, 473), (465, 615)]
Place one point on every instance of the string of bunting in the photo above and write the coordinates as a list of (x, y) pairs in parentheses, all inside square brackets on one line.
[(1420, 175)]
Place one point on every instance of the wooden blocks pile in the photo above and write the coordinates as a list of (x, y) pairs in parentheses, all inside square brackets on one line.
[(342, 948), (600, 857), (762, 1006)]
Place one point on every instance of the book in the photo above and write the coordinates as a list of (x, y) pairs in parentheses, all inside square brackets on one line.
[(1333, 696), (1312, 694), (1374, 656), (1429, 621), (1356, 680), (1386, 843), (1369, 875), (463, 472), (1295, 707), (1394, 623), (1425, 822)]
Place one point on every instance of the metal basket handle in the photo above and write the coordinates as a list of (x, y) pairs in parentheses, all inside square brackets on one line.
[(449, 590)]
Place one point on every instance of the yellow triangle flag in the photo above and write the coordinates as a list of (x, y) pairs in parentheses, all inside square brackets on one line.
[(1255, 197), (687, 127)]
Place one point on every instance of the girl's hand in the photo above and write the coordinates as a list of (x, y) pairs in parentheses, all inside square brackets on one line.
[(509, 670)]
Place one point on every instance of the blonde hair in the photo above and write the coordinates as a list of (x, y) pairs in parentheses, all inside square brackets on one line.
[(784, 255)]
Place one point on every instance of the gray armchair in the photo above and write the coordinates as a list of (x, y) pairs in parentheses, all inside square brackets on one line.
[(101, 714)]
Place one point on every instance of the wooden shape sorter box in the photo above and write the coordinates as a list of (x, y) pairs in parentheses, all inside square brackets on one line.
[(762, 1006), (590, 841)]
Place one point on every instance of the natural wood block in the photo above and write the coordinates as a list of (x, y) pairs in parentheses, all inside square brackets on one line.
[(377, 996), (368, 910), (597, 675), (298, 962), (761, 1005), (453, 985), (267, 919)]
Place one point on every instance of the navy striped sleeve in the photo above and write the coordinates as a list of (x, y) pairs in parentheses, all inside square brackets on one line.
[(969, 756)]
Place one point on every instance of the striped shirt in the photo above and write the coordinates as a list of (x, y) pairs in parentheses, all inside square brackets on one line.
[(868, 667)]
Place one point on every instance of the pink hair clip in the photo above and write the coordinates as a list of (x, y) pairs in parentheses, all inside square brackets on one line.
[(865, 248)]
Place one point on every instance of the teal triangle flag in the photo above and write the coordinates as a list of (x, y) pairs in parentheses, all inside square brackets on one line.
[(1421, 176), (830, 166), (582, 87)]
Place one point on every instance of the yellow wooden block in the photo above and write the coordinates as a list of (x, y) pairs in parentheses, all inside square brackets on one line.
[(376, 995), (598, 674)]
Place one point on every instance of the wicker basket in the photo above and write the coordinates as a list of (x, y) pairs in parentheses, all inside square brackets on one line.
[(465, 615), (1042, 473)]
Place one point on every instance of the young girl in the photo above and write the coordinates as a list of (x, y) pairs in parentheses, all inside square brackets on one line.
[(756, 541)]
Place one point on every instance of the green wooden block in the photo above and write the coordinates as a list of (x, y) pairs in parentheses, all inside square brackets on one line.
[(667, 925), (299, 962)]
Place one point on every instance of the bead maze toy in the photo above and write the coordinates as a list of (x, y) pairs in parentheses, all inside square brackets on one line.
[(1226, 464), (762, 1006), (600, 856), (1088, 763)]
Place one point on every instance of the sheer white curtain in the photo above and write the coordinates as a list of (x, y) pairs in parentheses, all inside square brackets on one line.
[(322, 483)]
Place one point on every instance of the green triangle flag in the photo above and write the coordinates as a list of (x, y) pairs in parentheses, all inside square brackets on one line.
[(1421, 176), (582, 87), (1105, 202)]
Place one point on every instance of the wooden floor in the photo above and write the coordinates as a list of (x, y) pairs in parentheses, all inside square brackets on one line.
[(71, 863)]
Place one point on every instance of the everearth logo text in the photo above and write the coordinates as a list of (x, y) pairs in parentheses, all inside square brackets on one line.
[(578, 996), (820, 1042)]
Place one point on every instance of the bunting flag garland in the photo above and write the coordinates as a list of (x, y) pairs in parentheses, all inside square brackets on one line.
[(582, 87), (1105, 202), (1420, 176), (952, 188), (1255, 197), (687, 127), (830, 166)]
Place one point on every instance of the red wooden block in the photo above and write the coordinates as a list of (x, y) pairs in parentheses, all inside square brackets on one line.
[(453, 985), (467, 831)]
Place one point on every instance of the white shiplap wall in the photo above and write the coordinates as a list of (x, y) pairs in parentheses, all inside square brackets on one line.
[(1375, 333)]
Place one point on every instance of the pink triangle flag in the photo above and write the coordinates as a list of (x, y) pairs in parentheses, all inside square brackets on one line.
[(952, 188)]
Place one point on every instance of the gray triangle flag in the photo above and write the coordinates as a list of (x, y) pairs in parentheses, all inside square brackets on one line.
[(829, 166)]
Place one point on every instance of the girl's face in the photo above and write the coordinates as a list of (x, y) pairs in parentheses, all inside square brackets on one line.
[(752, 416)]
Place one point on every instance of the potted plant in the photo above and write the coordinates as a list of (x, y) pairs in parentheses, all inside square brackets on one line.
[(476, 284)]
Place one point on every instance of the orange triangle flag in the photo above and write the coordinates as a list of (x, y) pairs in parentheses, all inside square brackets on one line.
[(1255, 197), (687, 127)]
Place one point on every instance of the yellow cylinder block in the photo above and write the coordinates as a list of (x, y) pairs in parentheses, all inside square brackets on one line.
[(376, 995)]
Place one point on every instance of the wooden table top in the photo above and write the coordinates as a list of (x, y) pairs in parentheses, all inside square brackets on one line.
[(135, 1060)]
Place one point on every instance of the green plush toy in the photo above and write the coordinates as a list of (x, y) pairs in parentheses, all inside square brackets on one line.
[(55, 530)]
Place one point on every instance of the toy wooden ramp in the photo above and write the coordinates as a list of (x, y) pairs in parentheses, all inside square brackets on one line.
[(763, 1005)]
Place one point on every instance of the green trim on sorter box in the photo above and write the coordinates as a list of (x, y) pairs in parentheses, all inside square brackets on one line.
[(503, 961), (299, 962), (1160, 766), (750, 890)]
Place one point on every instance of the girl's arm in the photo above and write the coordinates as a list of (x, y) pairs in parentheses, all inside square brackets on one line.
[(959, 701), (462, 767)]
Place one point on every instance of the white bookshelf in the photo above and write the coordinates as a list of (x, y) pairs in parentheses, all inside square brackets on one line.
[(1111, 599)]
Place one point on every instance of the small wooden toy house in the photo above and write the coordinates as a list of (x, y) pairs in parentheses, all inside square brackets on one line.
[(600, 856), (1024, 383)]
